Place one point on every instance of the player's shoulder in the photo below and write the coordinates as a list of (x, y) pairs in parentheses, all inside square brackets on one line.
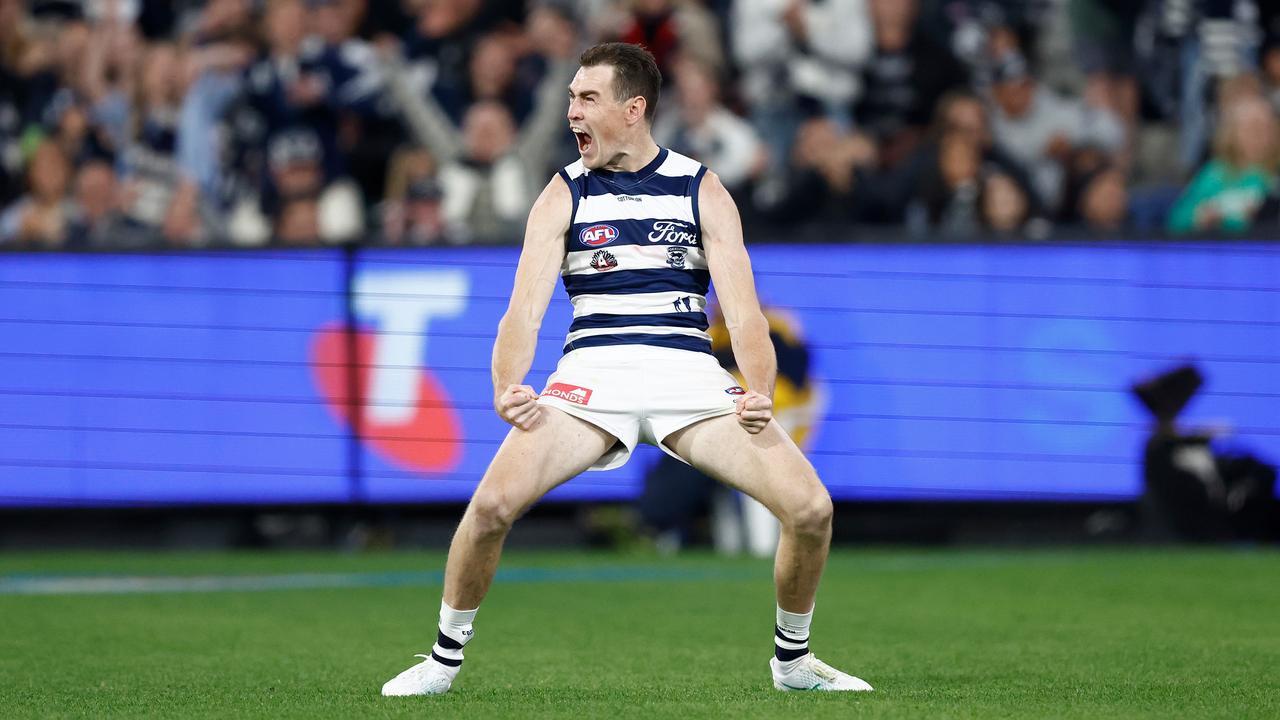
[(557, 194), (718, 211), (678, 165)]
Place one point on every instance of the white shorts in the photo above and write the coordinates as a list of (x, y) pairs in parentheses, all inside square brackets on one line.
[(639, 393)]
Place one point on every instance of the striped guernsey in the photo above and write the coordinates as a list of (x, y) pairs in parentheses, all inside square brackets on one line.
[(634, 264)]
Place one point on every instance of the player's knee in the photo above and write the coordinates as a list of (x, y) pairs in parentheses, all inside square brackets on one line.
[(493, 514), (812, 517)]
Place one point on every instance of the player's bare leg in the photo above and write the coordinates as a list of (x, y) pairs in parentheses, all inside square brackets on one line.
[(527, 466), (770, 468)]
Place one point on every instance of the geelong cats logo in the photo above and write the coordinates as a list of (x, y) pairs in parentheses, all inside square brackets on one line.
[(676, 257)]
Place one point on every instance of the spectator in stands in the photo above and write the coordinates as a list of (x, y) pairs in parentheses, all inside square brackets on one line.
[(12, 100), (1211, 41), (41, 217), (96, 219), (1103, 36), (487, 190), (1096, 197), (109, 70), (49, 58), (1040, 129), (412, 212), (337, 23), (963, 195), (310, 206), (1004, 207), (424, 220), (889, 196), (798, 55), (438, 47), (491, 75), (490, 170), (72, 126), (1270, 68), (185, 222), (301, 81), (671, 29), (368, 131), (148, 164), (300, 85), (827, 164), (1229, 189), (903, 79), (552, 34), (220, 43), (699, 126), (1101, 200), (184, 101), (949, 196)]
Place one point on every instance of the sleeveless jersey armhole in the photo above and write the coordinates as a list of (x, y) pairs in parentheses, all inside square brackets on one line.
[(573, 192), (694, 185)]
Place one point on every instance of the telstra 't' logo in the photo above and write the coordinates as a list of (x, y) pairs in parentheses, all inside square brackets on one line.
[(408, 417)]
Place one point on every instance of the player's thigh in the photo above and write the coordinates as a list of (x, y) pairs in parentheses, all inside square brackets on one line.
[(529, 463), (767, 466)]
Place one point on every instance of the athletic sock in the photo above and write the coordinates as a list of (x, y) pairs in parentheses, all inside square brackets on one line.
[(453, 633), (791, 637)]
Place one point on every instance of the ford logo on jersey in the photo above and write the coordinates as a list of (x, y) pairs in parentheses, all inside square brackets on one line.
[(598, 235)]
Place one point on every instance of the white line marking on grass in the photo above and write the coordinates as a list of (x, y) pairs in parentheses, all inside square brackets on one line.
[(140, 584), (104, 584)]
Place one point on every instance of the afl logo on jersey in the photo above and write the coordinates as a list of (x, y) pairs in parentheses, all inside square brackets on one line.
[(598, 235)]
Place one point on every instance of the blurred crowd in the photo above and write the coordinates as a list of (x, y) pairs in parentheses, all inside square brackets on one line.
[(139, 123)]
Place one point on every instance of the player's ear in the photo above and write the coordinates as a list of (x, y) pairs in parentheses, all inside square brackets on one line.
[(636, 108)]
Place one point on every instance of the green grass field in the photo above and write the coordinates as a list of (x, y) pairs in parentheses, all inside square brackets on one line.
[(940, 634)]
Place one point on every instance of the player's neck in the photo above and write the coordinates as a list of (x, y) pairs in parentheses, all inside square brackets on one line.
[(633, 158)]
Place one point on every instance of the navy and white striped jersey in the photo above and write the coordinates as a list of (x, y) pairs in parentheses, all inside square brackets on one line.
[(634, 265)]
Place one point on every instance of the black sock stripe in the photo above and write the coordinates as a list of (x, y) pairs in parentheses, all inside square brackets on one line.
[(782, 636), (447, 642), (786, 655), (444, 660)]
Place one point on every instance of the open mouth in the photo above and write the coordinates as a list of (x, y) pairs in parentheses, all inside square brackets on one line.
[(584, 141)]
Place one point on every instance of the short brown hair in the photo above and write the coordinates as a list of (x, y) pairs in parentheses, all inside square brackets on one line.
[(635, 72)]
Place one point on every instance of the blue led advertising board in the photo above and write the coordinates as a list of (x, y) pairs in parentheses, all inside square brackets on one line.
[(939, 372)]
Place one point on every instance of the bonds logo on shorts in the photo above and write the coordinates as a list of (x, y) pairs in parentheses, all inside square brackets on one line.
[(735, 390), (569, 393), (676, 257), (598, 235), (604, 260)]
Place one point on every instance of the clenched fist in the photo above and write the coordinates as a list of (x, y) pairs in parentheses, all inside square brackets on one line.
[(754, 411), (518, 406)]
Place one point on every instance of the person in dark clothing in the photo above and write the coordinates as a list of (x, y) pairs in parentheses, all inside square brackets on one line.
[(826, 178), (888, 198), (907, 73), (302, 82)]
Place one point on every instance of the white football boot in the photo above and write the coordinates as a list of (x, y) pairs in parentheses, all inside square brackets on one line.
[(810, 673), (426, 678)]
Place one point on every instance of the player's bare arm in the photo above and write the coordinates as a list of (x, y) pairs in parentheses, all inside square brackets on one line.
[(536, 277), (730, 268)]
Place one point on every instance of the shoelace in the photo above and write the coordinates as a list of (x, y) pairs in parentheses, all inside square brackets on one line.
[(823, 670), (420, 667)]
